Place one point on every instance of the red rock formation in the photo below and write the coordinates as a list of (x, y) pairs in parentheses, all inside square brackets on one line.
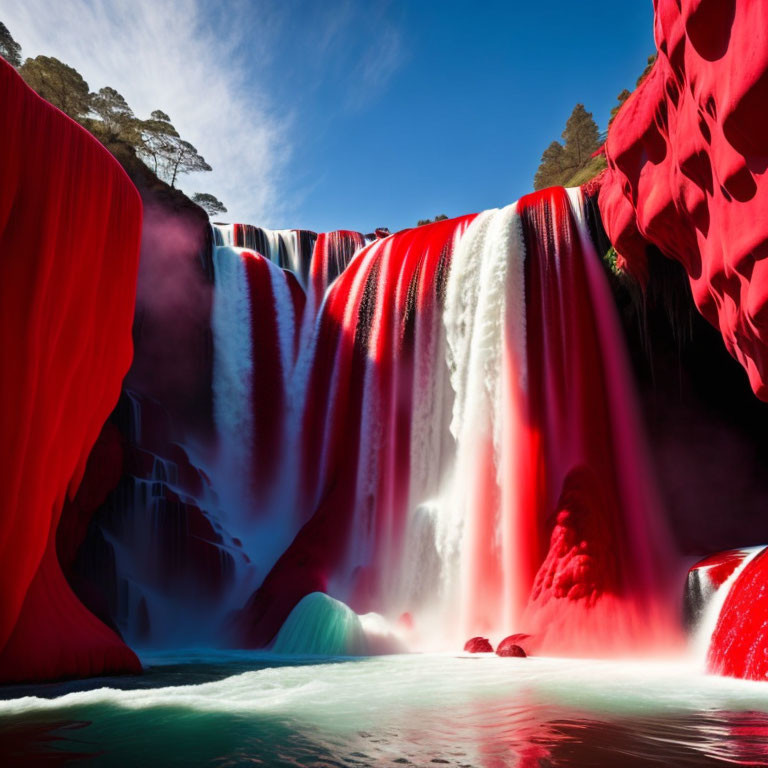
[(520, 640), (687, 158), (738, 645), (478, 645), (70, 223), (508, 648)]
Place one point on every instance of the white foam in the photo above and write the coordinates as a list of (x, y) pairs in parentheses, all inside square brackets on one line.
[(354, 695)]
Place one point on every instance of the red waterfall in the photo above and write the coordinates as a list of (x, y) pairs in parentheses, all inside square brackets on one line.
[(557, 529)]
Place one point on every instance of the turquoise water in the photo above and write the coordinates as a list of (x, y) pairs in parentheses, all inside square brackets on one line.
[(241, 709)]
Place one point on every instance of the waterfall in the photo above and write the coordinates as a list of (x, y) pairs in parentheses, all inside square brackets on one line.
[(470, 456), (436, 428), (232, 373), (289, 249)]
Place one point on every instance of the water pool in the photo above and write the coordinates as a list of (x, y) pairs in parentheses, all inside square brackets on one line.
[(231, 709)]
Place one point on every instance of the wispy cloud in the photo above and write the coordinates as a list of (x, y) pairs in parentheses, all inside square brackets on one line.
[(353, 48), (170, 56), (378, 62)]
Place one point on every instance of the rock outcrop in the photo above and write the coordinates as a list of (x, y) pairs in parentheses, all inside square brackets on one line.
[(687, 157)]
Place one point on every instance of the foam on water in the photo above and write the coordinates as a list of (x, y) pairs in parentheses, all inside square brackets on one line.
[(416, 709), (352, 694)]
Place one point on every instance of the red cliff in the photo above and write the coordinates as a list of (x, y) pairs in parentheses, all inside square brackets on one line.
[(687, 157), (70, 225)]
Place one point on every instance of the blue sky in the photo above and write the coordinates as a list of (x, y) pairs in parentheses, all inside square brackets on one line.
[(327, 114)]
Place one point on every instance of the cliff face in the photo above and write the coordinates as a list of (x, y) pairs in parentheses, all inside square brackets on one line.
[(687, 158), (70, 225)]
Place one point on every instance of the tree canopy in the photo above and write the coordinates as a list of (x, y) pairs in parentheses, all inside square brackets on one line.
[(551, 168), (180, 157), (210, 204), (10, 50), (439, 217), (115, 120), (581, 136), (58, 83), (157, 133), (108, 116)]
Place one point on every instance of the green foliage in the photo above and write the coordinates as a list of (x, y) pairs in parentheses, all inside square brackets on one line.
[(589, 171), (59, 84), (439, 217), (648, 67), (551, 168), (179, 157), (622, 97), (625, 94), (10, 50), (611, 259), (163, 150), (571, 164), (581, 137), (157, 135), (210, 204), (116, 121), (107, 115)]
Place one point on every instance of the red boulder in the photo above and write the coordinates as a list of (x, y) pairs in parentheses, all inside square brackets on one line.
[(509, 647), (478, 645)]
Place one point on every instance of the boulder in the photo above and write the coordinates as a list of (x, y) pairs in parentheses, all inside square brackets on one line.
[(478, 645)]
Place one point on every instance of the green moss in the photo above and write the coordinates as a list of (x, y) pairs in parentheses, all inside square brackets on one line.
[(589, 171)]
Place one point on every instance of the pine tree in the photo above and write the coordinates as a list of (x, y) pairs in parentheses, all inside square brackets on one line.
[(10, 50), (581, 138), (551, 170)]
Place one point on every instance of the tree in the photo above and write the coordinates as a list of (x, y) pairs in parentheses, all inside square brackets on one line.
[(562, 162), (582, 138), (210, 204), (116, 119), (621, 98), (166, 152), (439, 217), (180, 157), (625, 94), (551, 170), (157, 133), (58, 83), (10, 50), (648, 67)]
